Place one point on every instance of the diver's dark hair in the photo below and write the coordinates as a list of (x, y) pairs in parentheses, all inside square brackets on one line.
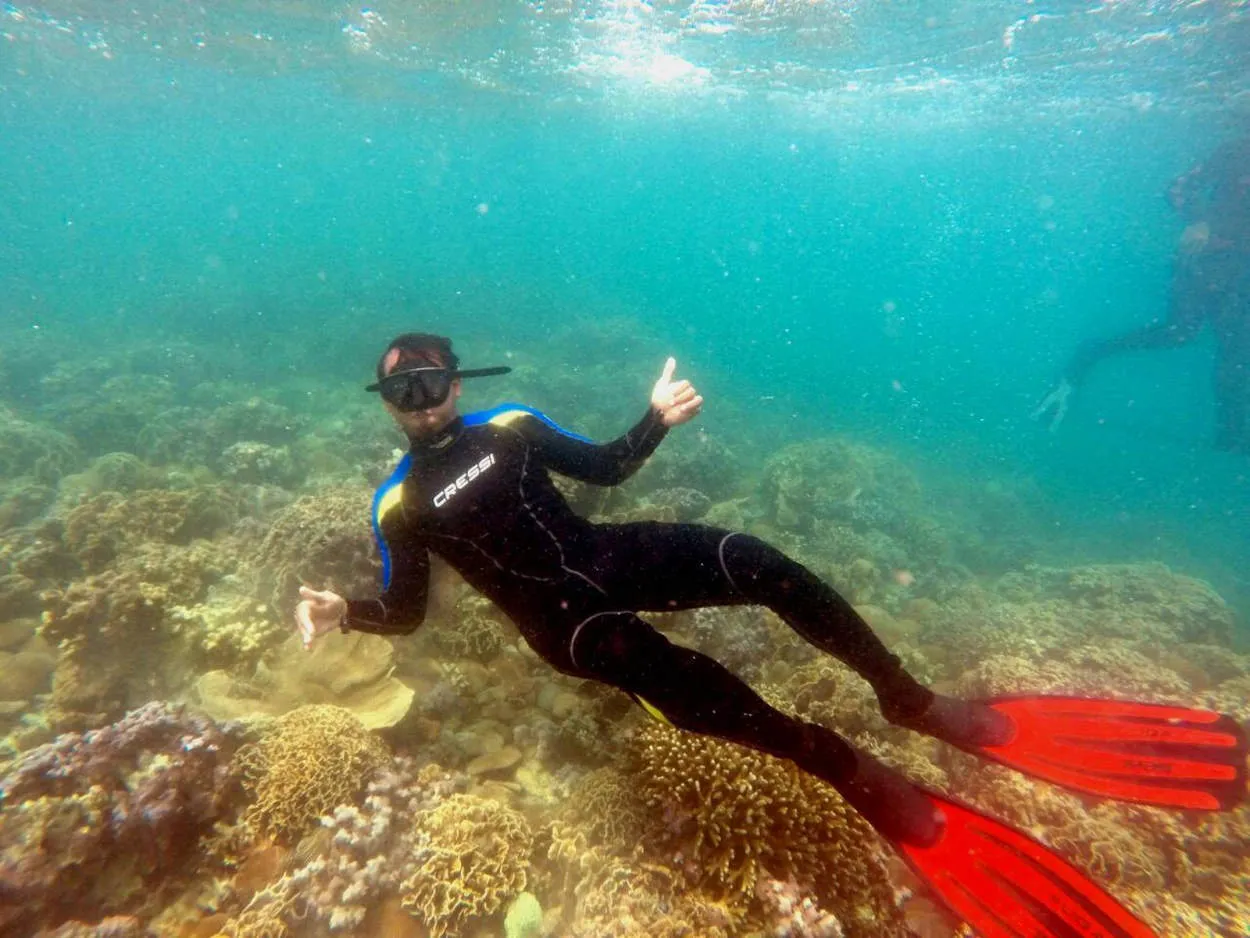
[(417, 348)]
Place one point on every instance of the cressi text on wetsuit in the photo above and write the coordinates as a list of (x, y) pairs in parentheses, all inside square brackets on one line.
[(480, 497)]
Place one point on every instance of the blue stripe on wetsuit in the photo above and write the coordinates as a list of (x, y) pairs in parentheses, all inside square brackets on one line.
[(394, 479)]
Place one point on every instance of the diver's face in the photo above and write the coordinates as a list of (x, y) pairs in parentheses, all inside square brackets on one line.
[(424, 424)]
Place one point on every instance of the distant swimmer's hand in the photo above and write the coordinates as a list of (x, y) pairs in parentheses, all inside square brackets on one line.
[(1055, 404), (318, 612), (677, 401)]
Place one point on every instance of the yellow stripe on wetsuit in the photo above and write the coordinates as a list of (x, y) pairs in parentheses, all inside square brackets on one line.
[(390, 498), (652, 710)]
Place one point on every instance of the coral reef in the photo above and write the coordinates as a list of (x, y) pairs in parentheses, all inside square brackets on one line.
[(322, 539), (734, 816), (353, 672), (108, 822), (314, 759), (200, 436), (229, 628), (35, 450), (261, 464), (104, 526), (475, 859), (477, 629), (1042, 609)]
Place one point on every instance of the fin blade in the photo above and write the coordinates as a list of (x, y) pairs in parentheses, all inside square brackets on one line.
[(1169, 756), (1007, 885)]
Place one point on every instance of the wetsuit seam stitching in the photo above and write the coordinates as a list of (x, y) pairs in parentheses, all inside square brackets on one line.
[(586, 621), (529, 510), (720, 555)]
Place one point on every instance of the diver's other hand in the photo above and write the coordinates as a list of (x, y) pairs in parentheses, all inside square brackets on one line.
[(676, 401), (318, 612), (1054, 404)]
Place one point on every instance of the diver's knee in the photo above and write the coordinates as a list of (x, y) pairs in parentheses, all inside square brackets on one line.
[(611, 645)]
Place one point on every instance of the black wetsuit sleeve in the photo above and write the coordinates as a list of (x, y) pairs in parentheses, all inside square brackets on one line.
[(597, 463), (1179, 328), (400, 609)]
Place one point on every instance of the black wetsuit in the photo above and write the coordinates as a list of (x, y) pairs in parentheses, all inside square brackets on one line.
[(1209, 285), (479, 496)]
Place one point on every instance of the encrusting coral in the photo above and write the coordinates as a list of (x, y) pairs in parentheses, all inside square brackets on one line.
[(314, 759), (353, 671)]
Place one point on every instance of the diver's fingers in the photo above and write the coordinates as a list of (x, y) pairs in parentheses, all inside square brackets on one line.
[(303, 619), (670, 366), (685, 394)]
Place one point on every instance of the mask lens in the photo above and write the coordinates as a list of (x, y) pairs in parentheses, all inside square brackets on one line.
[(419, 389)]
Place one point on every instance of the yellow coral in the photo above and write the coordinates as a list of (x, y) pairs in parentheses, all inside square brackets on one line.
[(740, 815), (476, 858), (316, 758)]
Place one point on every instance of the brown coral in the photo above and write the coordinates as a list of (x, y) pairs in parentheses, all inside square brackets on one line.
[(738, 815), (110, 524), (322, 538), (477, 857), (316, 758)]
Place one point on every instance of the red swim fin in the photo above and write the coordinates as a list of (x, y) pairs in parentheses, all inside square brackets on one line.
[(1004, 884), (1173, 757)]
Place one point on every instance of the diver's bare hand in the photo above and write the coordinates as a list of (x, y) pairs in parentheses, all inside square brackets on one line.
[(677, 401), (318, 612), (1054, 404)]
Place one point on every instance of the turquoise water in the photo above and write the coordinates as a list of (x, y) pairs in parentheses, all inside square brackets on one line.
[(891, 218), (886, 222)]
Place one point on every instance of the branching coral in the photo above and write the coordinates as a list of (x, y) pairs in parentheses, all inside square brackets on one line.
[(315, 758), (475, 859), (739, 815)]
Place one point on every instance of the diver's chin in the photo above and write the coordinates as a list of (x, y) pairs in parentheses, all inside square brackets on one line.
[(422, 426)]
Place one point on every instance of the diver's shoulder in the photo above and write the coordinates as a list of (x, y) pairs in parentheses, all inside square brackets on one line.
[(504, 415)]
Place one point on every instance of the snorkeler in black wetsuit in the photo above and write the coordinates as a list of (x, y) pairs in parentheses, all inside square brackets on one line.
[(1210, 284), (475, 490)]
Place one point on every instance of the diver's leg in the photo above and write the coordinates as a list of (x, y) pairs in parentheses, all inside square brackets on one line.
[(677, 566), (696, 693)]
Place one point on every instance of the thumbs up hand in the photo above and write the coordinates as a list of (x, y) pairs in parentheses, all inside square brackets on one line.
[(676, 401)]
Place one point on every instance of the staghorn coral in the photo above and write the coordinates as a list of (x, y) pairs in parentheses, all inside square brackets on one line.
[(477, 630), (256, 463), (353, 863), (620, 897), (1112, 669), (475, 859), (97, 623), (199, 436), (108, 821), (315, 758), (737, 815)]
